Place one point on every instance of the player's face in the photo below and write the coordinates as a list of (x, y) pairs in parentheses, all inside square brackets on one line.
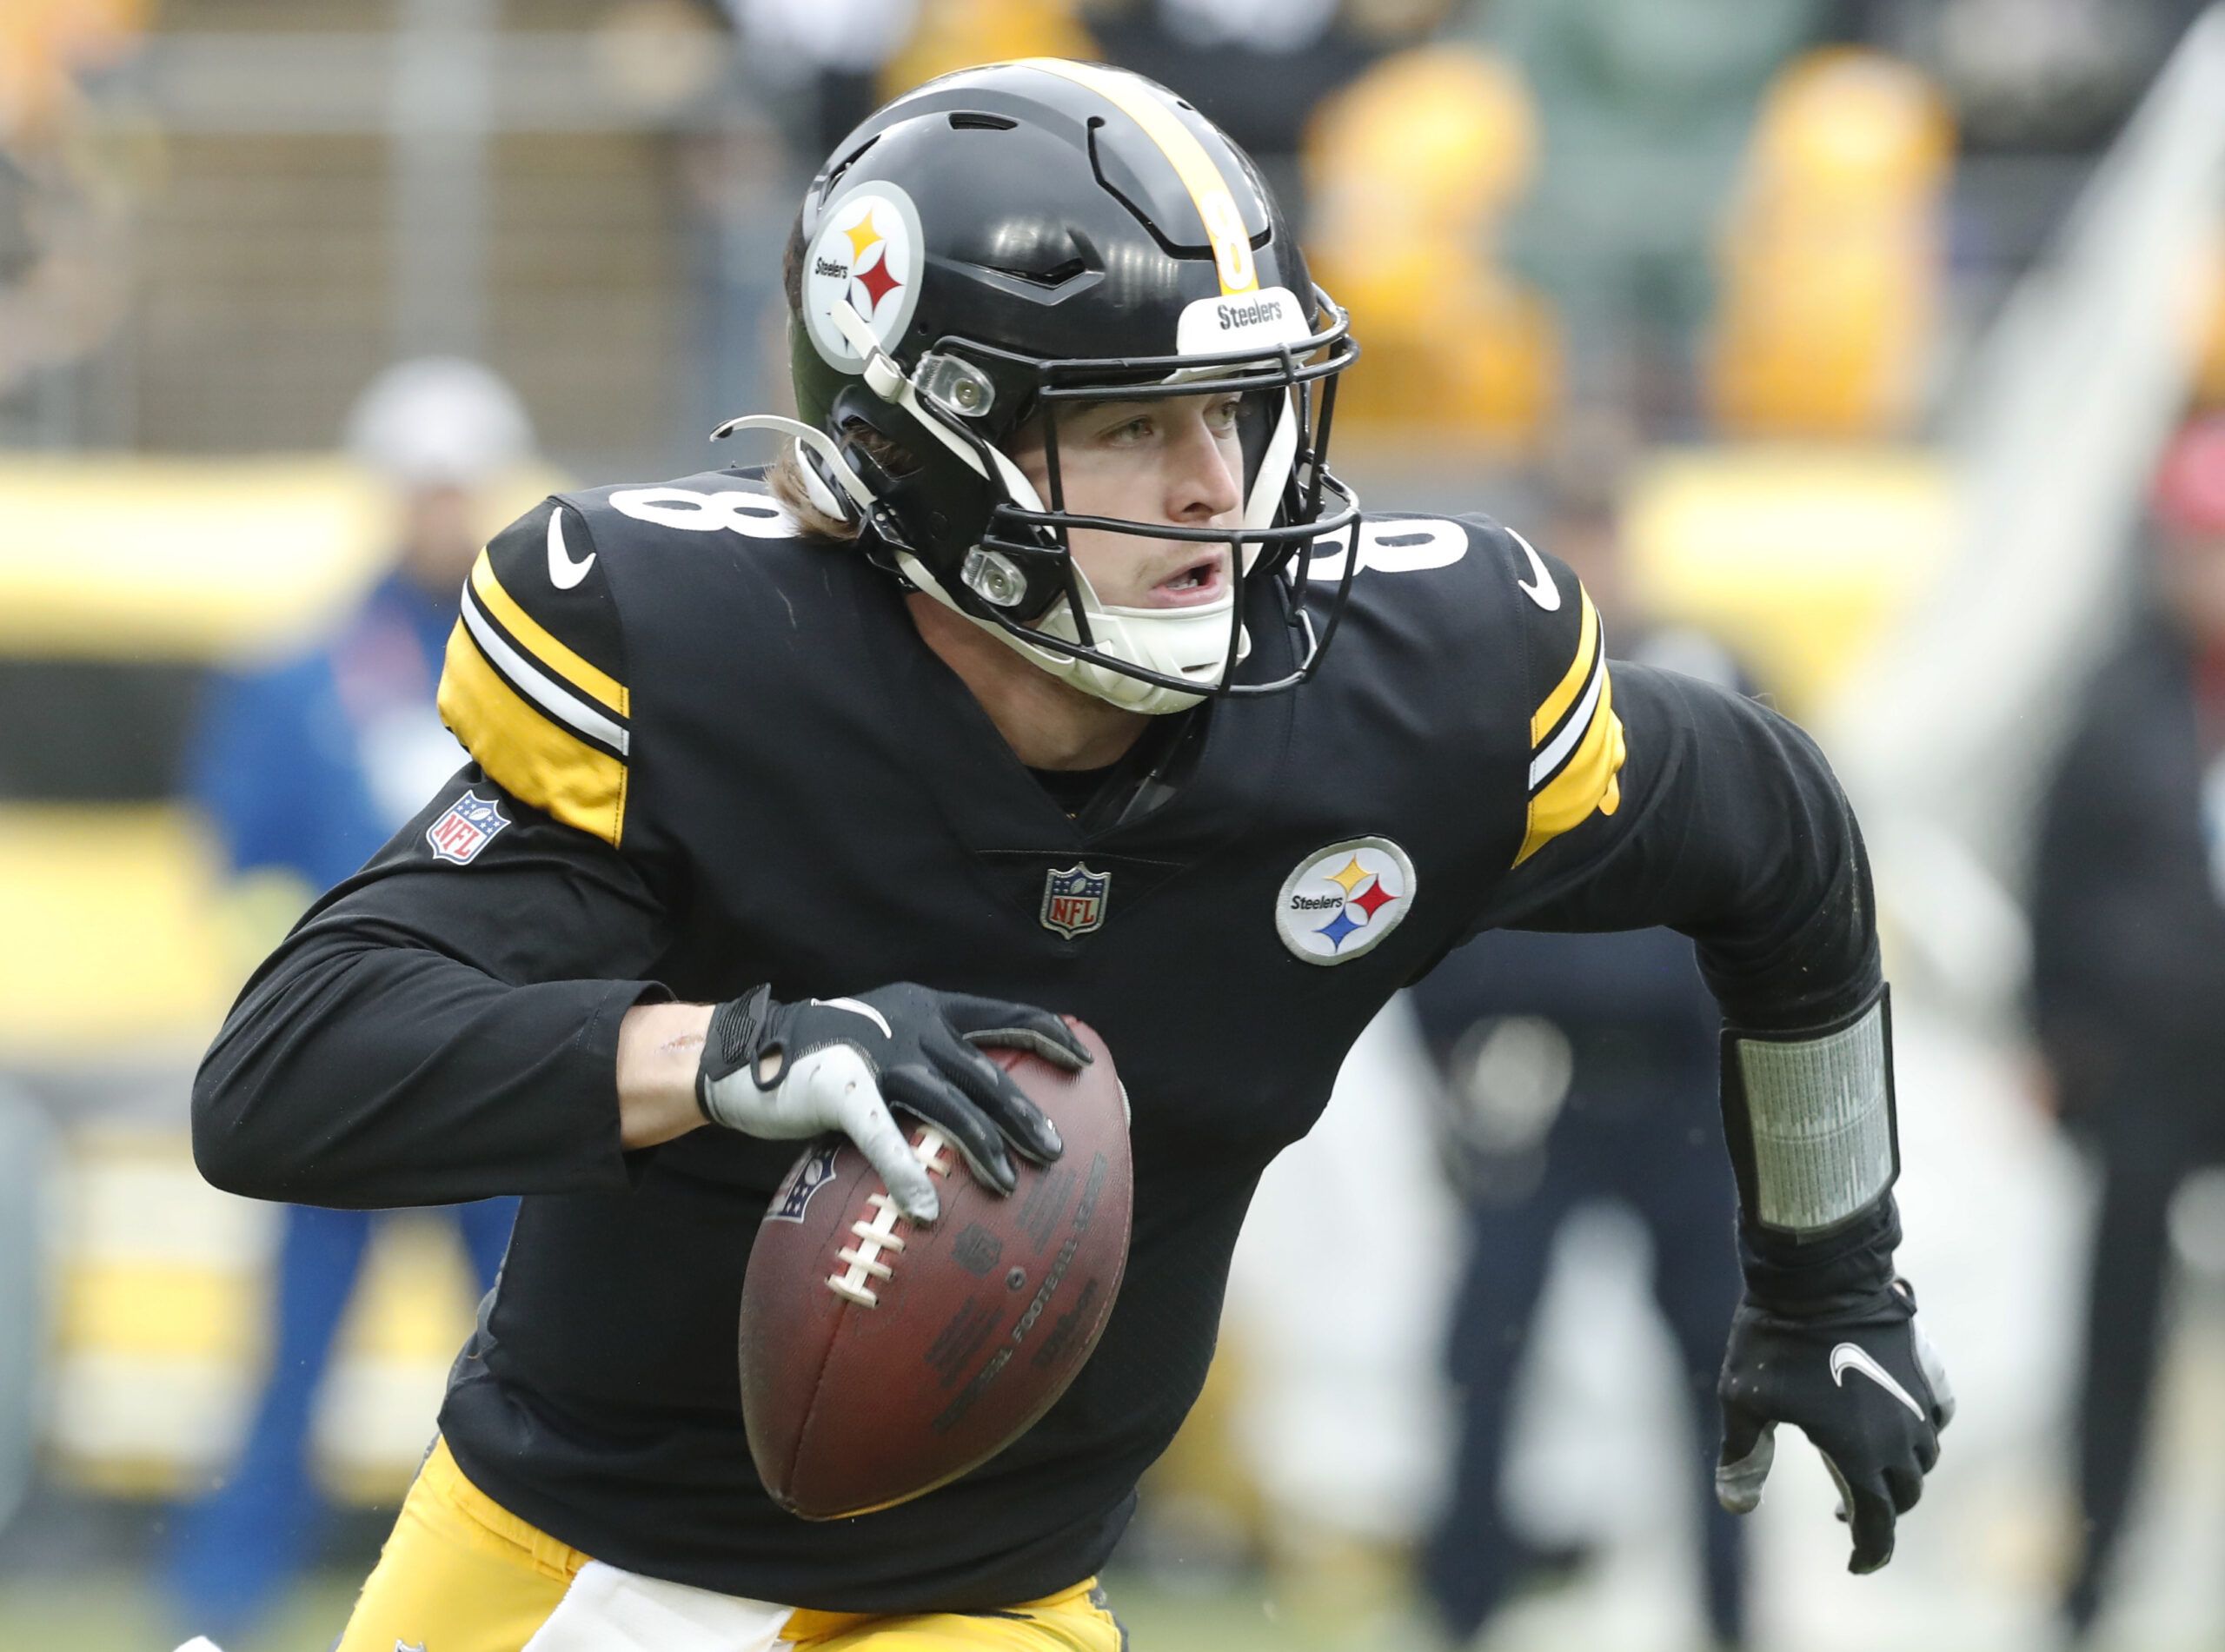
[(1173, 460)]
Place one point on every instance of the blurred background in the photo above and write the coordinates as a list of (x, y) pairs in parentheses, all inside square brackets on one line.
[(1856, 353)]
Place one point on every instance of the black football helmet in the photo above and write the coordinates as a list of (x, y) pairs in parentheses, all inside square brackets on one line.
[(1021, 234)]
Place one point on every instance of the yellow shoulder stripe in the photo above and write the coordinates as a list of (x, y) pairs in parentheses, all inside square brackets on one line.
[(1589, 780), (1216, 208), (534, 759), (543, 646), (1571, 684)]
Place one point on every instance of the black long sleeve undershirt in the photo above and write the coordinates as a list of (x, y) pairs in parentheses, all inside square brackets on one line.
[(406, 1044), (1733, 830)]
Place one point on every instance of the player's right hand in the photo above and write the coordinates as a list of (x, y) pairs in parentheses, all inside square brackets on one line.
[(784, 1071)]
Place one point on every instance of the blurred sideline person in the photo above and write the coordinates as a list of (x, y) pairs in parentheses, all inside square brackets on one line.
[(2128, 965), (30, 1173), (1576, 1069), (302, 769)]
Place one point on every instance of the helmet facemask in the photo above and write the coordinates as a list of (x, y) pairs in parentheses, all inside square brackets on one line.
[(966, 525)]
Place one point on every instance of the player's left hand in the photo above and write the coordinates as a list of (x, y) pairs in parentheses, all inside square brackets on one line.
[(1866, 1386)]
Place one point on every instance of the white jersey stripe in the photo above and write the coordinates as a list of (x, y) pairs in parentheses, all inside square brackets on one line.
[(1547, 760), (560, 703)]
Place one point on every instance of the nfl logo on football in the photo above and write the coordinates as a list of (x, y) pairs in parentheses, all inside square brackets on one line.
[(470, 825), (812, 1172), (1074, 900)]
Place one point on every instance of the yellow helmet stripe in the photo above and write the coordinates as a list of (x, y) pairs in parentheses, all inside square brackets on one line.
[(1216, 208)]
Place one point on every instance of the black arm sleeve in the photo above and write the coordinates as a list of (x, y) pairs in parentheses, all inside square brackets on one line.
[(1730, 828), (432, 1032)]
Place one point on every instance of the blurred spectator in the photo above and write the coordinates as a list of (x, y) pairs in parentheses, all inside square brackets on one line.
[(2210, 327), (842, 59), (45, 44), (1579, 1069), (957, 34), (1258, 69), (63, 268), (304, 769), (2128, 965), (2028, 76), (1833, 257), (1412, 168), (1645, 107), (828, 55), (29, 1176)]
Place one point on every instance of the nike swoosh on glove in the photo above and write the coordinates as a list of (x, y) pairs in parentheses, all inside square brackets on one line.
[(1866, 1386), (785, 1071)]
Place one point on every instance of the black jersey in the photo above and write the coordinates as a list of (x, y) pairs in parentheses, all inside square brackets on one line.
[(709, 753)]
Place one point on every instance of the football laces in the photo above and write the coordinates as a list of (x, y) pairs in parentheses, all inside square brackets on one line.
[(879, 1236)]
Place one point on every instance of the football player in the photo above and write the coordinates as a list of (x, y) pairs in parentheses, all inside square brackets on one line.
[(1050, 666)]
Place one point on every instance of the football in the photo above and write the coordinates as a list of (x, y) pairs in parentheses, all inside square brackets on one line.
[(882, 1357)]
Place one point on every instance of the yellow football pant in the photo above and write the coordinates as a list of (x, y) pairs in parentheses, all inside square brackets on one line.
[(462, 1574)]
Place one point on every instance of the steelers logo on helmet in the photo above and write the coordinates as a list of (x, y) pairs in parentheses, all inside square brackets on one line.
[(868, 254), (1344, 899)]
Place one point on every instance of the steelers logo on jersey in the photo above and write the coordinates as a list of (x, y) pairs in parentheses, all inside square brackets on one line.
[(869, 254), (1342, 900)]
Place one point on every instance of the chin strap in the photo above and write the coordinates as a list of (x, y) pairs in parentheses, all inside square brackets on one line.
[(1184, 642)]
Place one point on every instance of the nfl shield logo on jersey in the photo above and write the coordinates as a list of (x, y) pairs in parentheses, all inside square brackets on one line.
[(1074, 900), (470, 825)]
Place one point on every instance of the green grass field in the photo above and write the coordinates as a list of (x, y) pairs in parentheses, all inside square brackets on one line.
[(117, 1611)]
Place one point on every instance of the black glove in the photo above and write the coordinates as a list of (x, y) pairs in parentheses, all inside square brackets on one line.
[(1858, 1377), (784, 1071)]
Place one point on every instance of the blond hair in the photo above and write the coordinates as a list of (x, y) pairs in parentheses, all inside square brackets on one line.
[(785, 481), (789, 486)]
